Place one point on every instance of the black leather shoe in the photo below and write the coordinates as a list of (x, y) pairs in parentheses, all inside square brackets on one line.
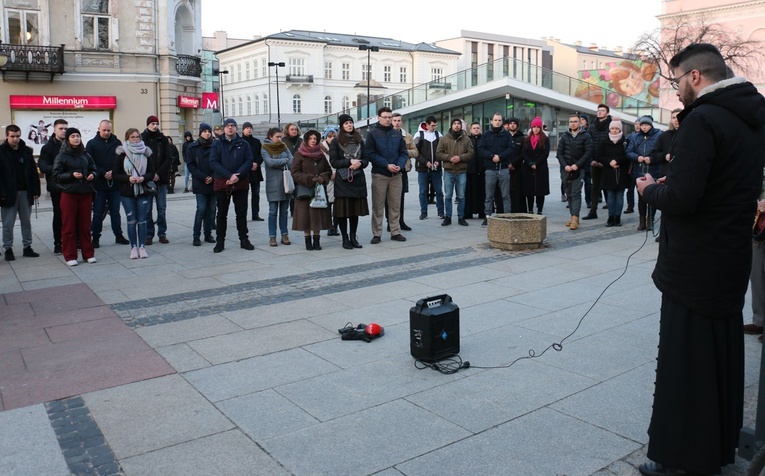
[(629, 210), (591, 216), (9, 256), (256, 218), (57, 249), (209, 239), (355, 242), (398, 237), (30, 253), (197, 242), (375, 240), (423, 216), (347, 244), (121, 240), (655, 469), (333, 232), (404, 226), (246, 245), (96, 242), (462, 222), (218, 248), (446, 222)]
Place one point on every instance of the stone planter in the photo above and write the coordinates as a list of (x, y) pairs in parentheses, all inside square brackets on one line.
[(517, 231)]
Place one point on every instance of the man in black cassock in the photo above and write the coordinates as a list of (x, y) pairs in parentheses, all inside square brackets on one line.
[(707, 200)]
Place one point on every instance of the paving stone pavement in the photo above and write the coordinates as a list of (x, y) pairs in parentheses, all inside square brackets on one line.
[(262, 383)]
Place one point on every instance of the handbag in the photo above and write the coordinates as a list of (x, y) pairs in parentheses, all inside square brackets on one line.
[(319, 199), (149, 187), (304, 191), (289, 184), (347, 175)]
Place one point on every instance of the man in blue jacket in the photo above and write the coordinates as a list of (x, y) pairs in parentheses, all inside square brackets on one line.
[(231, 161), (386, 149), (102, 148)]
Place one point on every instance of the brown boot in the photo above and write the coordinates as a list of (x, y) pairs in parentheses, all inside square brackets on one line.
[(568, 223), (286, 240), (272, 241), (574, 222), (641, 226)]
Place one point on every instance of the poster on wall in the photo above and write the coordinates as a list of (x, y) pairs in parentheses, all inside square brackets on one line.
[(632, 84), (37, 125)]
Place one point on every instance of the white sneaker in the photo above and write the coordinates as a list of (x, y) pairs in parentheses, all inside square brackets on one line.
[(71, 262), (134, 253), (142, 252), (92, 260)]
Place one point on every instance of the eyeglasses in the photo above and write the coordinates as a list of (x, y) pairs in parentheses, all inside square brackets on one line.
[(386, 117), (674, 82)]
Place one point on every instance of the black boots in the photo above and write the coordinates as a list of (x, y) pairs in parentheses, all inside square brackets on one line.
[(641, 226), (317, 242), (592, 215), (308, 243)]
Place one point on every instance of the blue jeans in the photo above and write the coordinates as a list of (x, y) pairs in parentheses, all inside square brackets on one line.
[(205, 213), (615, 201), (136, 207), (113, 198), (161, 198), (422, 181), (491, 178), (456, 183), (186, 173), (280, 207)]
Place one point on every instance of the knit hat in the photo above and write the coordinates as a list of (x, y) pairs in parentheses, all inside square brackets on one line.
[(343, 118), (151, 119), (188, 134), (585, 117), (327, 131), (246, 125), (217, 127), (204, 127), (312, 132), (513, 119), (616, 123), (229, 121), (456, 119), (70, 131), (536, 122), (646, 120)]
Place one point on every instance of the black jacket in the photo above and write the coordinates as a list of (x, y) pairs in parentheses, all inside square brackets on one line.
[(162, 156), (599, 133), (121, 176), (48, 154), (536, 182), (575, 150), (709, 199), (255, 146), (614, 179), (344, 189), (69, 161), (103, 152), (8, 174), (518, 139), (475, 166), (496, 142), (198, 161), (661, 148)]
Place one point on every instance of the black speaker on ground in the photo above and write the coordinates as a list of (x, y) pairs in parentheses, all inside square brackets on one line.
[(434, 328)]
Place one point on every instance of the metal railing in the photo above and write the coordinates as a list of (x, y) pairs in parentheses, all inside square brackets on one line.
[(187, 65), (31, 58), (498, 70)]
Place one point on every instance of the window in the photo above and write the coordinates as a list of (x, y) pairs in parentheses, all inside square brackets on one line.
[(263, 68), (346, 70), (241, 110), (436, 74), (346, 103), (402, 74), (296, 104), (239, 73), (297, 66), (255, 69), (366, 71), (249, 105), (247, 71), (388, 101), (265, 104), (327, 104), (257, 104), (386, 74), (23, 25), (95, 25), (226, 110), (328, 70), (489, 62)]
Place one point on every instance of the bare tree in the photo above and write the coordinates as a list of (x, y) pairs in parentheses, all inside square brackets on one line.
[(660, 45)]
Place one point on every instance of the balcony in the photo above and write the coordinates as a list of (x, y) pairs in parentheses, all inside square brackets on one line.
[(187, 65), (293, 78), (28, 59)]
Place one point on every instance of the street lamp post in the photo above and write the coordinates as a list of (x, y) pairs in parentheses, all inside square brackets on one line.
[(220, 90), (369, 50), (278, 107)]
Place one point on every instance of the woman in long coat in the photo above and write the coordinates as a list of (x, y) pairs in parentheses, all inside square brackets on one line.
[(615, 176), (536, 173), (277, 158), (347, 156), (310, 168)]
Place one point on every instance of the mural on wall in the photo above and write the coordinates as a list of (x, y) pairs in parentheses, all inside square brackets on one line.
[(631, 83)]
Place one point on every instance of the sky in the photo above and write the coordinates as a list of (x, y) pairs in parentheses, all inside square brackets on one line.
[(606, 23)]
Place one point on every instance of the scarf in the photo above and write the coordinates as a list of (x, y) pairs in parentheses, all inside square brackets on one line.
[(205, 143), (314, 152), (352, 149), (275, 148), (615, 137), (534, 139), (135, 162)]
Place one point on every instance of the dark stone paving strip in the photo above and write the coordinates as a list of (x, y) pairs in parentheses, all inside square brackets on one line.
[(179, 307), (83, 445)]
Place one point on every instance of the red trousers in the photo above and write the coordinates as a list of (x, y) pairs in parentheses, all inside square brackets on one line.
[(76, 210)]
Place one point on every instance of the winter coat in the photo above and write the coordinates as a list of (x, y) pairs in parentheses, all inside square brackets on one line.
[(274, 166), (255, 146), (69, 161), (709, 198), (162, 154), (518, 140), (536, 182), (8, 187), (306, 171), (102, 151), (426, 143), (411, 149), (385, 146), (599, 131), (449, 146), (229, 157), (123, 178), (642, 145), (198, 162), (343, 188), (613, 179), (476, 165), (496, 142), (575, 150), (48, 154), (661, 148)]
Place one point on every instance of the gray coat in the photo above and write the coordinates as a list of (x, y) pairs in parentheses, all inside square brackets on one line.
[(274, 165)]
